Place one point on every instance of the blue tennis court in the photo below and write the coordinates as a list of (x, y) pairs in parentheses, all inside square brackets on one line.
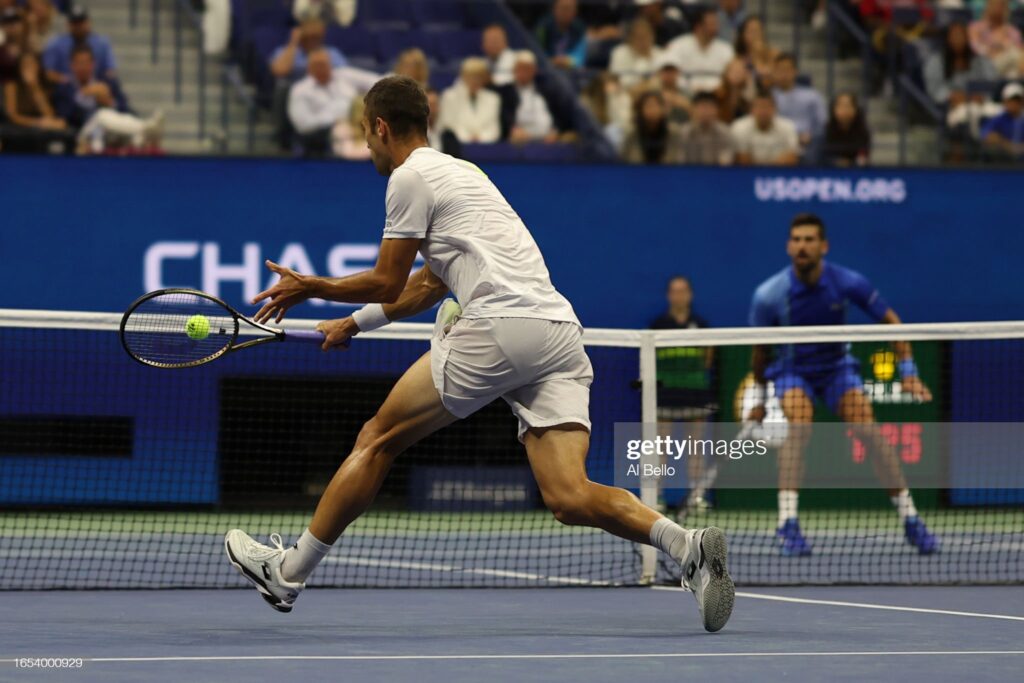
[(595, 634)]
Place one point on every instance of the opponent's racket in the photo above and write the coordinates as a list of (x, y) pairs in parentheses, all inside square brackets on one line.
[(183, 328)]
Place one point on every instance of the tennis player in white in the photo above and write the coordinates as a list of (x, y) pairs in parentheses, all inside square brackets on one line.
[(516, 337)]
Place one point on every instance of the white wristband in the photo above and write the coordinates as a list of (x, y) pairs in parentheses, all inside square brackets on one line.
[(370, 317)]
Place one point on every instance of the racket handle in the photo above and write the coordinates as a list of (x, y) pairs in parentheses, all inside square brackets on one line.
[(307, 337)]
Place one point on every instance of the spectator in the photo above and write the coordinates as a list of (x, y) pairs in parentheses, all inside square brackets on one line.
[(57, 54), (686, 397), (413, 63), (33, 125), (471, 112), (526, 115), (500, 59), (41, 22), (948, 73), (731, 17), (755, 51), (765, 138), (702, 54), (667, 22), (706, 140), (666, 83), (802, 105), (322, 99), (847, 138), (98, 110), (12, 27), (348, 139), (634, 61), (1003, 135), (994, 37), (654, 138), (888, 36), (342, 12), (563, 35), (735, 93), (290, 62), (610, 105)]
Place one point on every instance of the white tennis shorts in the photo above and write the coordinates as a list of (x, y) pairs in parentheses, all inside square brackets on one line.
[(538, 366)]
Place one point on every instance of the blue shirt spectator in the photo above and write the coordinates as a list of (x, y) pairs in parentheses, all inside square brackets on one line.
[(57, 53), (291, 61), (84, 93), (563, 35), (1006, 131), (802, 105)]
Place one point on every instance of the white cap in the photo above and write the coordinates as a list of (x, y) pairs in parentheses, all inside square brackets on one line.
[(1013, 90)]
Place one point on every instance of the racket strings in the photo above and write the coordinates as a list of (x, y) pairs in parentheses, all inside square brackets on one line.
[(156, 331)]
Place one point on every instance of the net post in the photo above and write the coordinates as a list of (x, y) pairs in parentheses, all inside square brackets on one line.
[(649, 417)]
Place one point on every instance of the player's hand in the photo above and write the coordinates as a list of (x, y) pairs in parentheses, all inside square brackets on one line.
[(917, 389), (337, 333), (756, 414), (290, 290)]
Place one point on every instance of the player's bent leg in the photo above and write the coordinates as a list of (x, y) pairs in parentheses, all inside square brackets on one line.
[(799, 411), (412, 411), (855, 409), (557, 456)]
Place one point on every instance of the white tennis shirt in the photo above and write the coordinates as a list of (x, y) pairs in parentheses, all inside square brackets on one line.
[(472, 239)]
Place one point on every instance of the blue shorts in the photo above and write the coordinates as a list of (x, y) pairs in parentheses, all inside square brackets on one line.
[(823, 385)]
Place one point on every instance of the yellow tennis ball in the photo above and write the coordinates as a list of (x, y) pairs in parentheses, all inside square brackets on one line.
[(198, 327)]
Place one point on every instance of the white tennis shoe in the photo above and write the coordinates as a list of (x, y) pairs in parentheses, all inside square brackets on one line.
[(707, 576), (261, 565)]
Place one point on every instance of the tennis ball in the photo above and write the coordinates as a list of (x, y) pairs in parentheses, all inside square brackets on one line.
[(198, 327)]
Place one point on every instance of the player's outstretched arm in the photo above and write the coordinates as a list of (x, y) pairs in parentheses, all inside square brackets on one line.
[(384, 284), (422, 291), (905, 357)]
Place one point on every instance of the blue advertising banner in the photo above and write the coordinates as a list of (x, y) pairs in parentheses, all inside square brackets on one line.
[(93, 234)]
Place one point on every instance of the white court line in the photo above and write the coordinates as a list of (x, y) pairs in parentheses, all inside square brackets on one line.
[(862, 605), (646, 655), (449, 568)]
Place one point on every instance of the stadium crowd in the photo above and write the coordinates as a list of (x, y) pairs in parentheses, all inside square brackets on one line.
[(657, 81), (59, 86)]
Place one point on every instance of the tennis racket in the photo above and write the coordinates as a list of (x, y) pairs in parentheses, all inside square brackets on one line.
[(183, 328)]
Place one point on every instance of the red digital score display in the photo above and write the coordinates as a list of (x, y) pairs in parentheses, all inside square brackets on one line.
[(905, 436)]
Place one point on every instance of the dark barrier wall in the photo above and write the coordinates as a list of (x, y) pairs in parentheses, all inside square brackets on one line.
[(94, 234)]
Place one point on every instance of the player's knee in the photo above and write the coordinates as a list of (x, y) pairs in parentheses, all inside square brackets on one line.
[(570, 507), (373, 439)]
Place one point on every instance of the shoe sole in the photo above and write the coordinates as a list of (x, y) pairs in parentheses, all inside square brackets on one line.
[(720, 594), (256, 581)]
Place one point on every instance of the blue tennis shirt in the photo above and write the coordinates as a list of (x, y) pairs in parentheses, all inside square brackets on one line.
[(783, 300)]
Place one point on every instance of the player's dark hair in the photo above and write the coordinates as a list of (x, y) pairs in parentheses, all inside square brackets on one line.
[(401, 102), (802, 219)]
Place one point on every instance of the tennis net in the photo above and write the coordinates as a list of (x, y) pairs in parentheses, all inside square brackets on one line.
[(116, 475)]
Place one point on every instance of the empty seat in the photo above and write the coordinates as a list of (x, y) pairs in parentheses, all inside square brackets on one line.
[(384, 14), (353, 42), (391, 42), (454, 46), (438, 13)]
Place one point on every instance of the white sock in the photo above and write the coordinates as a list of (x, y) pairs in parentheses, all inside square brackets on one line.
[(788, 503), (300, 560), (671, 538), (904, 504)]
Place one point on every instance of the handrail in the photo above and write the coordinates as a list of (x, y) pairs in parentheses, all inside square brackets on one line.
[(909, 89), (184, 10), (837, 18), (232, 80)]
